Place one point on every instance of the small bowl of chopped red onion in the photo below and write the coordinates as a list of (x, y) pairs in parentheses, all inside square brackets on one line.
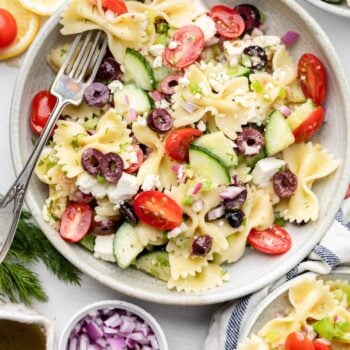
[(113, 325)]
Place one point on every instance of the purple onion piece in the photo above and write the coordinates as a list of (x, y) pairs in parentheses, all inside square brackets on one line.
[(290, 38), (94, 331), (83, 342), (216, 213), (117, 343), (73, 344)]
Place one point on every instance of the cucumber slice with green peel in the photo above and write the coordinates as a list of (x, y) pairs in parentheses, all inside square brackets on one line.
[(88, 242), (126, 245), (156, 264), (335, 2), (218, 144), (135, 97), (138, 70), (160, 74), (252, 160), (208, 166), (300, 114), (239, 71), (278, 135), (295, 93)]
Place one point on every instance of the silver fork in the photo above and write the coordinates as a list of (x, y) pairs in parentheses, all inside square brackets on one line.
[(78, 71)]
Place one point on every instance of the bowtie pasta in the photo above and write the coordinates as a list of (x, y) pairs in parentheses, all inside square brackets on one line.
[(193, 141), (318, 319)]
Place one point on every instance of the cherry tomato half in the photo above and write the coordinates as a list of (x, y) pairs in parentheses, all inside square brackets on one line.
[(274, 240), (312, 77), (158, 210), (189, 45), (42, 105), (140, 158), (310, 126), (8, 29), (347, 195), (320, 346), (178, 142), (76, 222), (298, 341), (229, 23), (117, 6)]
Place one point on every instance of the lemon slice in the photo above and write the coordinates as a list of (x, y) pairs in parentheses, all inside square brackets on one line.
[(42, 7), (27, 27)]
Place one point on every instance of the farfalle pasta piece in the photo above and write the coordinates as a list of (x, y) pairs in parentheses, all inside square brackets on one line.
[(210, 277), (309, 162), (82, 113), (177, 14), (127, 30), (149, 138), (254, 343), (167, 176), (284, 68), (150, 235), (105, 209)]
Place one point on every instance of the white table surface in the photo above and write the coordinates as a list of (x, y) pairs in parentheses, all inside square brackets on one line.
[(185, 327)]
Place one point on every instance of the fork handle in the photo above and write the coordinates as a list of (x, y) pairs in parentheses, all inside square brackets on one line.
[(11, 204)]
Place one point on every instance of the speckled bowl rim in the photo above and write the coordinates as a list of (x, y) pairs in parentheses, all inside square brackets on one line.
[(219, 296), (335, 9), (118, 304)]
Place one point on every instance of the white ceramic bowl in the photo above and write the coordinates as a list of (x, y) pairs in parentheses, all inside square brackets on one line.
[(150, 320), (276, 301), (340, 10), (22, 314), (254, 270)]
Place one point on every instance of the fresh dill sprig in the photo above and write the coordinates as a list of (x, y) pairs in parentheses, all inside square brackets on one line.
[(17, 282)]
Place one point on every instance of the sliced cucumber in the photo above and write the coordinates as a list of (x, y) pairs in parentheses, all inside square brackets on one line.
[(126, 245), (160, 74), (218, 144), (336, 2), (278, 135), (300, 114), (295, 93), (138, 70), (252, 160), (239, 71), (208, 166), (88, 242), (137, 99), (156, 264)]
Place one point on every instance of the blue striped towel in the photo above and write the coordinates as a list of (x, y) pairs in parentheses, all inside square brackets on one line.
[(333, 251)]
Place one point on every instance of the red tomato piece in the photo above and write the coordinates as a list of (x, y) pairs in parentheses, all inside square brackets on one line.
[(42, 105), (76, 222), (320, 346), (274, 240), (310, 126), (347, 195), (298, 341), (313, 78), (190, 44), (140, 158), (8, 29), (117, 6), (158, 210), (229, 23), (178, 142)]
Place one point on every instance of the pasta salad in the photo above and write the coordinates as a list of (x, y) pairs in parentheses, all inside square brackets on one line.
[(318, 319), (193, 141)]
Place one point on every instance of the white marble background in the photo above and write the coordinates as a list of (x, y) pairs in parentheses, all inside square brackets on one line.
[(185, 327)]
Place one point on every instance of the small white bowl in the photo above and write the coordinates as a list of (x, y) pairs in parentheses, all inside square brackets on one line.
[(144, 315), (20, 313), (339, 10)]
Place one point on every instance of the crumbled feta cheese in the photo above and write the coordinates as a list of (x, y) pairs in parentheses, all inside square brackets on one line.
[(241, 101), (184, 81), (115, 85), (110, 15), (122, 68), (151, 181), (205, 88), (172, 45), (162, 104), (257, 32), (201, 126), (141, 121), (89, 184), (156, 50), (124, 190), (158, 62), (207, 25), (265, 169), (233, 48), (103, 248), (267, 40), (197, 96)]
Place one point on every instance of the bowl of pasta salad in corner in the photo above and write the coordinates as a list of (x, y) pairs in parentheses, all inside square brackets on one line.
[(207, 158), (337, 7), (310, 312)]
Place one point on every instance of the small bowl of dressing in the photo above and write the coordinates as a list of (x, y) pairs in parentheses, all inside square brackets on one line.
[(22, 328)]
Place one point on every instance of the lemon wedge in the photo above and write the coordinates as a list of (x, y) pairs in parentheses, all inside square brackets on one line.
[(42, 7), (27, 28)]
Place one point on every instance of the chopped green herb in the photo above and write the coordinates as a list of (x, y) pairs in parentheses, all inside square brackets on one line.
[(257, 87), (100, 179), (187, 200), (90, 124)]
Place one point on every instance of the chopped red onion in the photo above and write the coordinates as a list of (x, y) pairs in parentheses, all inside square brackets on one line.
[(324, 341), (156, 95), (286, 111), (126, 99), (189, 107), (197, 188), (132, 115), (198, 205), (290, 38), (216, 213), (180, 171), (212, 41), (174, 232), (112, 329), (231, 192)]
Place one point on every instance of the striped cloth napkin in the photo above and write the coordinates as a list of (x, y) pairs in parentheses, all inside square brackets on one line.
[(333, 251)]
